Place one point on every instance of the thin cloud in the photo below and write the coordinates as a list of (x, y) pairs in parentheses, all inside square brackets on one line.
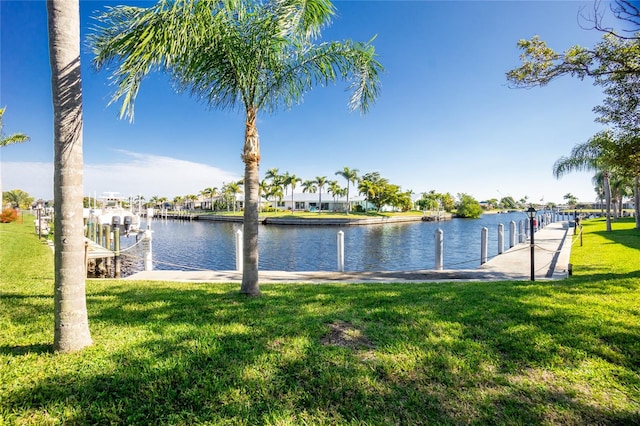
[(140, 173)]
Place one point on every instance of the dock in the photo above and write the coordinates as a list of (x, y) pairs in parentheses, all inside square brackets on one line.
[(551, 252)]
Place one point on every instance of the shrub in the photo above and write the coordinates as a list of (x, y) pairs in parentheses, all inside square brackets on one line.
[(8, 215)]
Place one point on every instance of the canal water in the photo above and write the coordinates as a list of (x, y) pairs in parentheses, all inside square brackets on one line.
[(184, 245)]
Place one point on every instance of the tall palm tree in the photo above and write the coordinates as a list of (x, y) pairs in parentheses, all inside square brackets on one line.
[(309, 186), (204, 193), (178, 199), (321, 181), (335, 190), (291, 180), (351, 176), (162, 201), (591, 155), (8, 140), (368, 189), (250, 55), (263, 191), (233, 189), (154, 201), (71, 329)]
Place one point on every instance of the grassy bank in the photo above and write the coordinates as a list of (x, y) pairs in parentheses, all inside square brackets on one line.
[(564, 352)]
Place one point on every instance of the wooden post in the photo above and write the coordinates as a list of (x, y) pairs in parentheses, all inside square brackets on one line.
[(107, 245), (100, 237), (500, 238), (484, 244), (438, 236), (340, 241), (86, 257), (116, 250)]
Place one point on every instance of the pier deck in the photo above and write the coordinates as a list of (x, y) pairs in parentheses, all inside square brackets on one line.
[(552, 251)]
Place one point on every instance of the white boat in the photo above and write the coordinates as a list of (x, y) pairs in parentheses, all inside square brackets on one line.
[(111, 212)]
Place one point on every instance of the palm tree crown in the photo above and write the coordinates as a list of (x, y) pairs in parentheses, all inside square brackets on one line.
[(246, 55)]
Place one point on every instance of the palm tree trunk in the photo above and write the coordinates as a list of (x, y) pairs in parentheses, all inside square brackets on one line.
[(251, 158), (71, 330)]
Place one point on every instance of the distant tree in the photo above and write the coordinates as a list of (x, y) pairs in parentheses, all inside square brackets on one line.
[(263, 191), (231, 190), (309, 186), (572, 200), (351, 176), (18, 198), (429, 200), (162, 201), (154, 201), (368, 189), (448, 202), (177, 201), (468, 207), (321, 181), (335, 190), (508, 202), (291, 180), (8, 140)]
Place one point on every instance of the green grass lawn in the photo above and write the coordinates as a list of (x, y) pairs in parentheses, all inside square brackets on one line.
[(559, 352)]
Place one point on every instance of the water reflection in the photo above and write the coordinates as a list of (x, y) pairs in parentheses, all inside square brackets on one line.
[(408, 246)]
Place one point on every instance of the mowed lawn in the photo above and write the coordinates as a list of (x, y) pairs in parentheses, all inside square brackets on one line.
[(555, 352)]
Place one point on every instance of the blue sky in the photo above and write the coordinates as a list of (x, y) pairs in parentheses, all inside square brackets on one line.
[(446, 119)]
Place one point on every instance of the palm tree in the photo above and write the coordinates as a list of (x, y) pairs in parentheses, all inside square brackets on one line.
[(204, 193), (8, 140), (154, 201), (263, 191), (191, 201), (71, 329), (335, 190), (177, 200), (368, 189), (277, 192), (321, 182), (276, 187), (591, 155), (161, 201), (18, 198), (249, 55), (291, 180), (351, 176), (232, 189), (309, 186)]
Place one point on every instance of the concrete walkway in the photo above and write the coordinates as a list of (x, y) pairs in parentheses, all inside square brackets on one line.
[(552, 251)]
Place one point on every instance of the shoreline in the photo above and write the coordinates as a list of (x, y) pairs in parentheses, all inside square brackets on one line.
[(293, 221)]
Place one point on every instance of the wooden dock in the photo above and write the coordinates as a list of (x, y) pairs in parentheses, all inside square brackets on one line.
[(96, 251)]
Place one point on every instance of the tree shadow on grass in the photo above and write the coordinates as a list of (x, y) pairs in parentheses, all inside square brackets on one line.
[(436, 353), (26, 349)]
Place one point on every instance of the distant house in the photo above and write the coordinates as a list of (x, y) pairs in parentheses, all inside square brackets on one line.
[(305, 201)]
